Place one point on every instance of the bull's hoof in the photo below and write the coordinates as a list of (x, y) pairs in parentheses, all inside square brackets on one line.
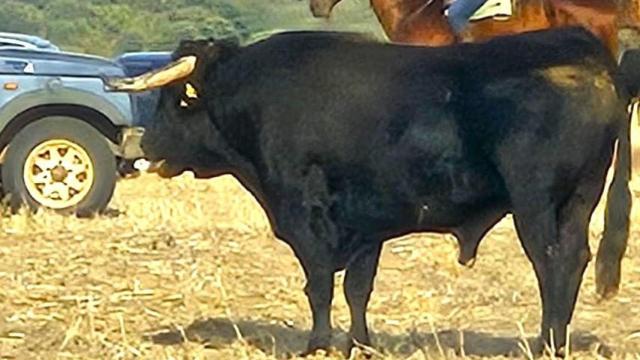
[(467, 262), (364, 349), (316, 345), (537, 347), (540, 347)]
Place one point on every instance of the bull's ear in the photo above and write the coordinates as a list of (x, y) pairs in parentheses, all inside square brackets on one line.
[(190, 91), (190, 96), (176, 70)]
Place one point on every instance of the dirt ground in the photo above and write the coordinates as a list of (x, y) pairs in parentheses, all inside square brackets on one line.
[(188, 269)]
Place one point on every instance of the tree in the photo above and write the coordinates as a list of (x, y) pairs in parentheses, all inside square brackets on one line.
[(108, 27)]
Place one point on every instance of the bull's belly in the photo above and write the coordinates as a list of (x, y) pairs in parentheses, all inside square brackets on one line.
[(450, 198), (433, 201)]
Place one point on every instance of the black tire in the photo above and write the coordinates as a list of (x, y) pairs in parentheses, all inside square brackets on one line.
[(77, 135)]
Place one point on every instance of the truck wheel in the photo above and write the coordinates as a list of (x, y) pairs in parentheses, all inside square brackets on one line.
[(60, 163)]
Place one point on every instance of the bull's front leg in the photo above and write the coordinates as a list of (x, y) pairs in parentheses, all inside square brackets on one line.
[(304, 220), (319, 291), (318, 263), (358, 285)]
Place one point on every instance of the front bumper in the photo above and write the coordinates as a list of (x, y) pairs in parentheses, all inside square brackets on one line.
[(129, 145)]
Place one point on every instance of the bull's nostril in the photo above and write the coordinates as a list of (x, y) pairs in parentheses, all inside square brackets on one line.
[(142, 164)]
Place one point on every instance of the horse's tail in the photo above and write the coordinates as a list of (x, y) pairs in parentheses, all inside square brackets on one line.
[(628, 73)]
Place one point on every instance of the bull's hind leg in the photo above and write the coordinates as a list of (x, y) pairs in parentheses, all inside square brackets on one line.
[(555, 238), (358, 285), (537, 229), (574, 218)]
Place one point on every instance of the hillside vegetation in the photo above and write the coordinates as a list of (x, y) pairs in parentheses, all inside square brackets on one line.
[(108, 27)]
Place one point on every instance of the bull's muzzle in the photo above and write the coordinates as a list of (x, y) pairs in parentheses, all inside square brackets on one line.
[(174, 71), (144, 165), (160, 168)]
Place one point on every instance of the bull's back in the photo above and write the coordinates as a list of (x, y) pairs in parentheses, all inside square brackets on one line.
[(393, 126), (334, 94)]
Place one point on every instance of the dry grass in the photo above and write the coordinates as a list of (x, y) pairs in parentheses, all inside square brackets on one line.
[(188, 269)]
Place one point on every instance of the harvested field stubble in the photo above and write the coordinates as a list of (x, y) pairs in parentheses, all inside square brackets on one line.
[(188, 269)]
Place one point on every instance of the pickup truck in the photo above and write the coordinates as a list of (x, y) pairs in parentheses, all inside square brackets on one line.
[(63, 138)]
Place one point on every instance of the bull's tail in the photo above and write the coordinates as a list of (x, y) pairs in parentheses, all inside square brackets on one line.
[(616, 223)]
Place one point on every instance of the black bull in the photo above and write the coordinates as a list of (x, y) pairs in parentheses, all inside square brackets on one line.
[(346, 143)]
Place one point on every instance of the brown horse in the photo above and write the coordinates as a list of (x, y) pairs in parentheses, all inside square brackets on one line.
[(422, 21)]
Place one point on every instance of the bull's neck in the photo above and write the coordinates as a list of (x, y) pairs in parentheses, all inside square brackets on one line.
[(391, 13)]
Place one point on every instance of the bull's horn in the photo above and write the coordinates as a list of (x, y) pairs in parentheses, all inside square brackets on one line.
[(176, 70)]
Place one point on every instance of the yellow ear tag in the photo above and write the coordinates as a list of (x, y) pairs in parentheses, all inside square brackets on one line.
[(190, 91)]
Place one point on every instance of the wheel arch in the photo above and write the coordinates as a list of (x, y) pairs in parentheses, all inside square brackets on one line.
[(91, 116)]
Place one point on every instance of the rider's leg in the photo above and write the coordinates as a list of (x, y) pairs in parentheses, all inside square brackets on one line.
[(460, 12)]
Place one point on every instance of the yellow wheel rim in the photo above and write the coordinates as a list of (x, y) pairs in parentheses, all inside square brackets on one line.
[(58, 174)]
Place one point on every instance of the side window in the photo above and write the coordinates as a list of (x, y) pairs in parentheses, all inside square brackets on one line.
[(5, 67), (16, 66), (11, 44)]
